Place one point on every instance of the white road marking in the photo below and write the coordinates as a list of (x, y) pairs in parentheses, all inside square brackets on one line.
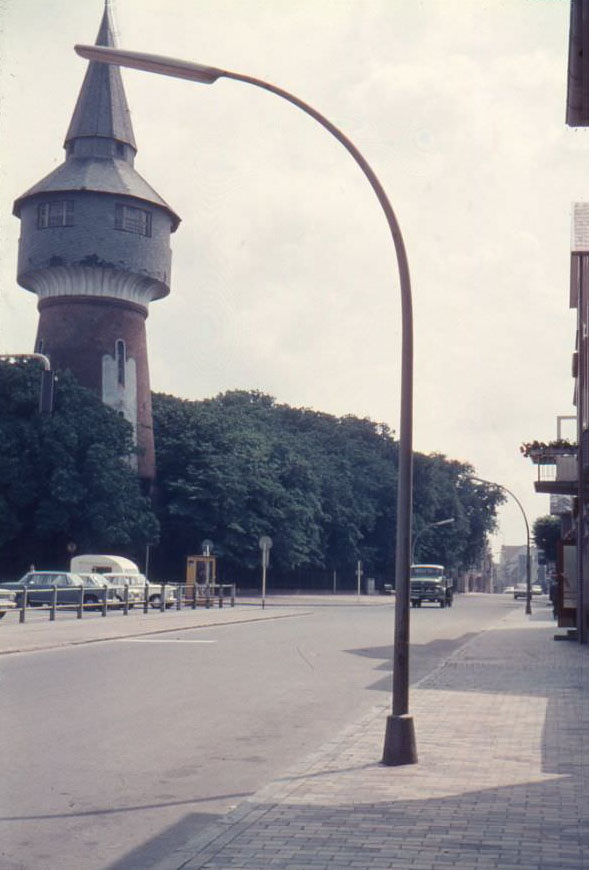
[(160, 640)]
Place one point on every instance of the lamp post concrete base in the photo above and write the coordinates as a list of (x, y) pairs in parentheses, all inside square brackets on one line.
[(399, 741)]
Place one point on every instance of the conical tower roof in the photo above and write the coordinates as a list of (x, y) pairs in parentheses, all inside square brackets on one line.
[(100, 145), (101, 109)]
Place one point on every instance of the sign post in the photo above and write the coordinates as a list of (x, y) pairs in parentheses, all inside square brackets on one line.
[(265, 546)]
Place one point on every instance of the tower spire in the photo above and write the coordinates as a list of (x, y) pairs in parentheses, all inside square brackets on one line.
[(101, 110)]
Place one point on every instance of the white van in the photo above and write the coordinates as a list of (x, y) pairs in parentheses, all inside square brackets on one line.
[(124, 572), (103, 565)]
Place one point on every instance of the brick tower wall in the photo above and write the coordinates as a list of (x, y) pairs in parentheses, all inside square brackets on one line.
[(80, 333)]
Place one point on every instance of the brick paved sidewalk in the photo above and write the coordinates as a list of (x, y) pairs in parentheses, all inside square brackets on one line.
[(502, 781)]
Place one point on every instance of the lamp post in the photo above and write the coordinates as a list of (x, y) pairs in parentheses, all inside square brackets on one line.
[(425, 528), (528, 609), (47, 378), (399, 746), (265, 546)]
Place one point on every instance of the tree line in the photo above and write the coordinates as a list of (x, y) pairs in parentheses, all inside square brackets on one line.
[(229, 469)]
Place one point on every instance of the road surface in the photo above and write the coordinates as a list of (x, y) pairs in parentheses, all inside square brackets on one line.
[(114, 751)]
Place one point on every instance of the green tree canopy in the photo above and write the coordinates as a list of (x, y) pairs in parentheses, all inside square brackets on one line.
[(231, 469), (241, 465), (65, 477), (546, 534)]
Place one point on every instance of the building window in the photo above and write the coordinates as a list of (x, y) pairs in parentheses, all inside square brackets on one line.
[(121, 358), (133, 220), (58, 213)]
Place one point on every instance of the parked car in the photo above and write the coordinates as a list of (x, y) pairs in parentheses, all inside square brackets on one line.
[(138, 582), (7, 601), (520, 591), (95, 583), (39, 586), (509, 590), (537, 589)]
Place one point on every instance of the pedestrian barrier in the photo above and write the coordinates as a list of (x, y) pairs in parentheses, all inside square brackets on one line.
[(111, 597), (206, 594)]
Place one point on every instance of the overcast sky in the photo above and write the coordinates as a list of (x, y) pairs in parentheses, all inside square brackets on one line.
[(284, 277)]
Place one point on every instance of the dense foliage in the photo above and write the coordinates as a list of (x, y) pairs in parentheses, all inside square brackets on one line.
[(323, 488), (65, 478), (230, 469), (546, 533)]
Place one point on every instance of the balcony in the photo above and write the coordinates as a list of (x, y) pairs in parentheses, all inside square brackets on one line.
[(557, 468)]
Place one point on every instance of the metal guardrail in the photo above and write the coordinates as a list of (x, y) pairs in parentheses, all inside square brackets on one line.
[(203, 595)]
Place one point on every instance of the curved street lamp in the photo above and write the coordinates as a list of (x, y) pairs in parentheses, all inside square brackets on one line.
[(528, 609), (399, 746), (425, 528)]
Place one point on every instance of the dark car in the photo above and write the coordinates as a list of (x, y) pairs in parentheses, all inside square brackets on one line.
[(39, 586)]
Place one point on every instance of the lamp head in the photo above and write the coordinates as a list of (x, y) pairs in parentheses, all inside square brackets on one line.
[(168, 66)]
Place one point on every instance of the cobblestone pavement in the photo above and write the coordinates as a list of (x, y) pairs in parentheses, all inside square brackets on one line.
[(502, 781)]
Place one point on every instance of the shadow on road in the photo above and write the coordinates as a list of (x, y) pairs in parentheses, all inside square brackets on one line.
[(424, 657)]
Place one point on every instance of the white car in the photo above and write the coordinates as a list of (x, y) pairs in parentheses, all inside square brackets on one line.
[(7, 601), (137, 584)]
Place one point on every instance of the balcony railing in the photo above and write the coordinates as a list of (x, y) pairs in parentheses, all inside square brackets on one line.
[(557, 469)]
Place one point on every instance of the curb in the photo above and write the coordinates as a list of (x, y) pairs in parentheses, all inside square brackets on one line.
[(64, 644)]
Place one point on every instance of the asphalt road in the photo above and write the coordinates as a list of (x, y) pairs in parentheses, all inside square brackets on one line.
[(113, 751)]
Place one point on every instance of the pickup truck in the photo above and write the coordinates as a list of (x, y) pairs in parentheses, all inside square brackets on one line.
[(430, 583)]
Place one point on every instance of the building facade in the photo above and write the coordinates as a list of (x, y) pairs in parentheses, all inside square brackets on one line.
[(563, 466), (95, 249)]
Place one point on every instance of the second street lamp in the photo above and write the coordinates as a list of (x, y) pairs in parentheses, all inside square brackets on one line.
[(399, 746), (425, 529), (528, 608)]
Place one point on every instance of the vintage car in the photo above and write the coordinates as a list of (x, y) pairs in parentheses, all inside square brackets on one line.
[(138, 585), (7, 601), (431, 584), (123, 572), (40, 587)]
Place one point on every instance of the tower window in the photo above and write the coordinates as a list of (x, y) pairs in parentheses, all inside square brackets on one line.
[(121, 357), (58, 213), (133, 220)]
